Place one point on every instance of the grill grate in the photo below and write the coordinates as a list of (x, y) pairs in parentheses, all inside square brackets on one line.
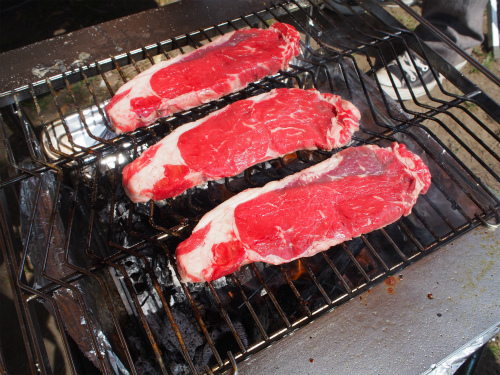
[(104, 267)]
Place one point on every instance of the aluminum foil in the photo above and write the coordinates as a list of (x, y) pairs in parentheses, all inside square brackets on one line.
[(66, 299), (451, 364)]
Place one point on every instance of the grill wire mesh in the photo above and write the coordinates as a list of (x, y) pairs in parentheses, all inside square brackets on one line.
[(104, 268)]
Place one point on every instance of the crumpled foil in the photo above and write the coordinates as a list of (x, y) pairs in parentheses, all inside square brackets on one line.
[(451, 364), (77, 325)]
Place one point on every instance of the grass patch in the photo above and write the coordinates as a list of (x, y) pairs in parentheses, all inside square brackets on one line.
[(470, 106), (485, 58), (409, 22), (495, 348)]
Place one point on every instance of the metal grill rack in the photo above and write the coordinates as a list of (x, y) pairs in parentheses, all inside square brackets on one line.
[(105, 268)]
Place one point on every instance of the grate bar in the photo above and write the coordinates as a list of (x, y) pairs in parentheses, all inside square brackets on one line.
[(81, 270), (226, 317), (374, 253), (195, 311), (250, 308), (290, 283), (315, 280), (454, 179), (10, 259), (124, 273), (271, 296), (395, 247)]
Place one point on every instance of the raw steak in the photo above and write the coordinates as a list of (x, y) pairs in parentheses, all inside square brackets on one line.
[(356, 191), (226, 65), (238, 136)]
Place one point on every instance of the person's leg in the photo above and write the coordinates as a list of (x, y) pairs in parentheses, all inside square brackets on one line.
[(459, 20)]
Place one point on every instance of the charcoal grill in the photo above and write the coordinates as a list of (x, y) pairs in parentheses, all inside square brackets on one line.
[(79, 254)]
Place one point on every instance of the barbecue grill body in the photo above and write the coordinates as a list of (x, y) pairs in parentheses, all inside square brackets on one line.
[(371, 320)]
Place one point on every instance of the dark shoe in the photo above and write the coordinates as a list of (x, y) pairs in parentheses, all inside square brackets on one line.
[(406, 80)]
